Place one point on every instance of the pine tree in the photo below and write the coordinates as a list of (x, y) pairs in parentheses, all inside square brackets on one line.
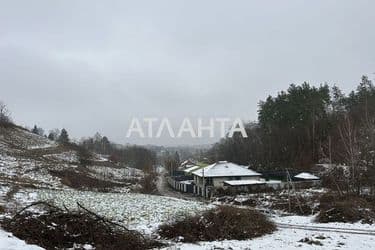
[(64, 137), (38, 131), (51, 136), (35, 130)]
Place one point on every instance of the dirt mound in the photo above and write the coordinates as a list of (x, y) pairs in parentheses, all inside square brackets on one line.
[(62, 229), (221, 223), (346, 208)]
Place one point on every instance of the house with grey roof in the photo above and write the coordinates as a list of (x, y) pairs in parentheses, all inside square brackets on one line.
[(223, 173)]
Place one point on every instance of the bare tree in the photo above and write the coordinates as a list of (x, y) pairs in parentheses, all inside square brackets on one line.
[(367, 142), (350, 139), (149, 180)]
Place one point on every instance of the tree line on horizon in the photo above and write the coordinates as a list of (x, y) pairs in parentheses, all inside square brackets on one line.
[(130, 155), (306, 125)]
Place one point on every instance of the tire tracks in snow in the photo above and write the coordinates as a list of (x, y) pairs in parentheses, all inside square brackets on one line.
[(328, 229)]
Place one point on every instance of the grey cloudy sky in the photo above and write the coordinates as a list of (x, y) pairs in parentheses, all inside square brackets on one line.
[(93, 65)]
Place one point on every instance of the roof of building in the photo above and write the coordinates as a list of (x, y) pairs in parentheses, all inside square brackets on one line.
[(223, 169), (244, 182), (306, 176), (191, 169), (187, 162)]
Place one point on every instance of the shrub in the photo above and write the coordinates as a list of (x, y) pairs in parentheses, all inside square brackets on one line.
[(224, 222), (345, 208), (63, 229)]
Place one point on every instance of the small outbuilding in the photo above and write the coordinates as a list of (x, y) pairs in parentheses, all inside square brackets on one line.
[(304, 176), (306, 180)]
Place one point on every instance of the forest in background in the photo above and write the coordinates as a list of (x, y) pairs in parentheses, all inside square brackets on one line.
[(306, 125)]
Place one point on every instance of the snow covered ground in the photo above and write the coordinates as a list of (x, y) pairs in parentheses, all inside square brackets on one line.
[(290, 238), (112, 173), (9, 242), (67, 156), (146, 212), (137, 211)]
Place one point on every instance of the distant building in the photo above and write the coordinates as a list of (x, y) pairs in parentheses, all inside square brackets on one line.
[(186, 164), (190, 170), (228, 177), (304, 176), (223, 173)]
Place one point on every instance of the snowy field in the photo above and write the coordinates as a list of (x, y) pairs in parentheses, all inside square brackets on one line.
[(137, 211)]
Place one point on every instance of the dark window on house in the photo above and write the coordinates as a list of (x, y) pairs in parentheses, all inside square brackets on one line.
[(232, 178), (209, 181)]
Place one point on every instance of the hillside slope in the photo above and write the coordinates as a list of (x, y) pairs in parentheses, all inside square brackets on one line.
[(28, 160)]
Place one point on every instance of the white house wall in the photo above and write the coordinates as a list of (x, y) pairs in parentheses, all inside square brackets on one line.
[(219, 181)]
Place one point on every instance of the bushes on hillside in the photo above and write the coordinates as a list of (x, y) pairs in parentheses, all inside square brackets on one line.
[(224, 222)]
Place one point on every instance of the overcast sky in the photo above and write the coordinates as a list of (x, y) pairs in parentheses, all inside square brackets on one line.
[(93, 65)]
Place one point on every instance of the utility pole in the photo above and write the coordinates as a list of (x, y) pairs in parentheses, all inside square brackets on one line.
[(287, 179), (330, 150), (294, 190)]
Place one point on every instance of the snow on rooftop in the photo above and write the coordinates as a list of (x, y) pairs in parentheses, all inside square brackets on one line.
[(223, 169), (306, 176), (188, 170), (187, 162), (244, 182)]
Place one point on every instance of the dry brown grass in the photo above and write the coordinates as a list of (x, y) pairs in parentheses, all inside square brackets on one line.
[(345, 208), (82, 181)]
